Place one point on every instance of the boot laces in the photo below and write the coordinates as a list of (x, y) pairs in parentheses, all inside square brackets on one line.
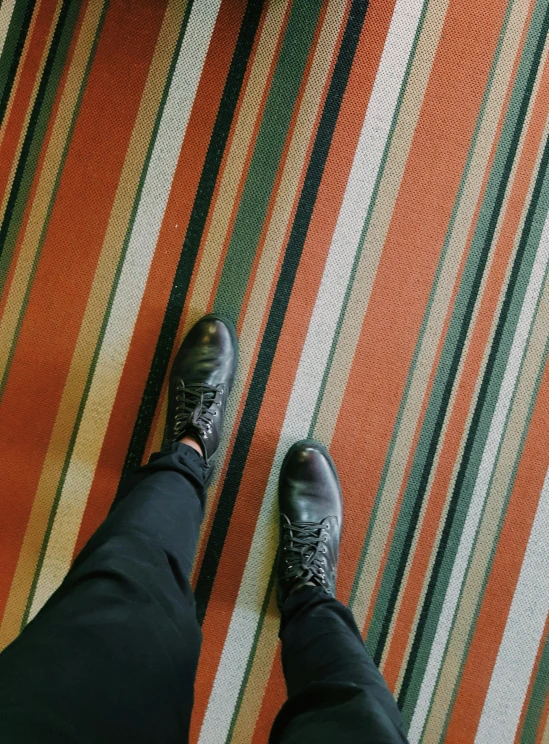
[(304, 551), (196, 405)]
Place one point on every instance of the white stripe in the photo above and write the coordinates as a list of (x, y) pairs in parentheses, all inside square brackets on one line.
[(6, 12), (314, 357), (522, 636), (129, 293), (489, 457)]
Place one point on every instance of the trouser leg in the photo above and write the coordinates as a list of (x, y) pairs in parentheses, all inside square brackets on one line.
[(112, 656), (335, 691)]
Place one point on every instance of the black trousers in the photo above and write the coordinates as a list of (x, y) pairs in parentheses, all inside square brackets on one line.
[(113, 654)]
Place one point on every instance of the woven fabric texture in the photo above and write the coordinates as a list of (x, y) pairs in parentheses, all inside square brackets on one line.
[(363, 188)]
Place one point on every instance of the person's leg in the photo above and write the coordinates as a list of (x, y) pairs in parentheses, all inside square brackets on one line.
[(335, 691), (113, 654)]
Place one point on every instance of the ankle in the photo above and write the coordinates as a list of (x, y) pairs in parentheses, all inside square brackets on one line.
[(193, 442)]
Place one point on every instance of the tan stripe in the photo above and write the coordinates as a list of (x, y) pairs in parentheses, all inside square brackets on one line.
[(458, 241), (217, 232), (489, 527), (379, 223), (279, 224), (275, 240), (457, 245), (545, 736), (485, 356), (97, 303), (30, 244), (24, 53), (469, 417), (29, 111), (259, 675)]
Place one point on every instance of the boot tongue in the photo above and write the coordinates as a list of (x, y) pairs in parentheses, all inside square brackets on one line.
[(195, 417)]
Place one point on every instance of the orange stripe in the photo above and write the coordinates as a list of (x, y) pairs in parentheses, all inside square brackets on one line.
[(503, 577), (260, 246), (471, 371), (285, 363), (41, 158), (219, 269), (166, 257), (63, 279), (409, 261), (22, 96)]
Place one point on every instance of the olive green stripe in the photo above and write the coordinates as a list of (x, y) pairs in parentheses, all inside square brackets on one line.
[(536, 704), (494, 548), (447, 370), (374, 630), (373, 203), (73, 11), (99, 343), (499, 352), (13, 47), (266, 159), (30, 154)]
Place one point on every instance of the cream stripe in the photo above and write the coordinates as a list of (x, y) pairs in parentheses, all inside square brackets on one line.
[(486, 469), (216, 233), (243, 139), (99, 295), (6, 12), (30, 244), (29, 112), (457, 244), (276, 236), (254, 691), (127, 300), (480, 375), (345, 242), (521, 638), (488, 531), (378, 226), (288, 192)]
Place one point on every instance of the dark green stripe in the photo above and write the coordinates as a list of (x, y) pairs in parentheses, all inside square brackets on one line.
[(112, 295), (454, 344), (12, 51), (34, 137), (282, 294), (193, 236), (503, 511), (532, 720), (26, 184), (482, 399), (68, 456), (265, 163)]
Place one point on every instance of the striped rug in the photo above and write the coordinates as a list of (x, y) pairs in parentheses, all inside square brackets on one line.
[(364, 188)]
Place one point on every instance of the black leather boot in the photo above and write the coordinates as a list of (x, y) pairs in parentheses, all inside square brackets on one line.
[(311, 516), (201, 379)]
